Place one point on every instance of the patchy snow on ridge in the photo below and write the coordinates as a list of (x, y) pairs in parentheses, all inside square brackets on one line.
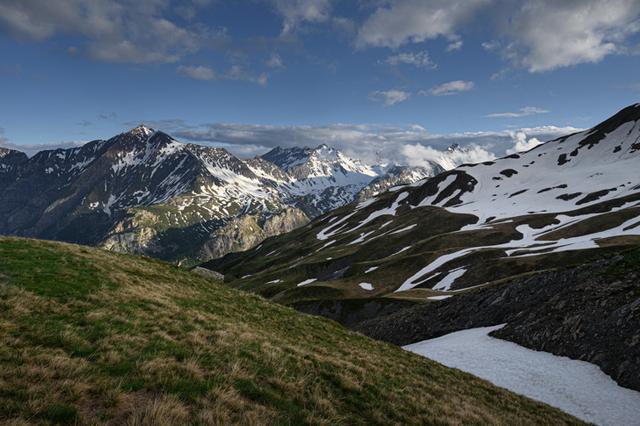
[(553, 177), (531, 243), (577, 387)]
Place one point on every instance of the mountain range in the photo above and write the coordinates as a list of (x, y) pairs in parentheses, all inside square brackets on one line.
[(143, 192), (539, 240)]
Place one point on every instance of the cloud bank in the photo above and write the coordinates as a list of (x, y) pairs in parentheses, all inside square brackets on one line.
[(539, 35), (450, 88), (412, 145), (137, 32), (389, 97), (522, 112)]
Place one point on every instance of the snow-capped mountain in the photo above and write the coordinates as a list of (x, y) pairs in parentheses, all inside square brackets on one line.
[(321, 179), (144, 192), (476, 223)]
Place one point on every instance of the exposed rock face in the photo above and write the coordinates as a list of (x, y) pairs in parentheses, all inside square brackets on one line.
[(246, 232), (135, 234), (591, 313), (207, 273), (138, 234)]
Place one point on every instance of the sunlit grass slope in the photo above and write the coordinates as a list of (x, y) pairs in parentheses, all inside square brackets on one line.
[(89, 336)]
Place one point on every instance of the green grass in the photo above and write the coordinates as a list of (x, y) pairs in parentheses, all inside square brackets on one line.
[(92, 337)]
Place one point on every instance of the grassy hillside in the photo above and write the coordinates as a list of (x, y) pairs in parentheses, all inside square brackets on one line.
[(90, 336)]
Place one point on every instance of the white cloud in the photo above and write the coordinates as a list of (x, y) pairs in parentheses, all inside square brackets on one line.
[(413, 21), (389, 97), (362, 141), (296, 12), (454, 45), (418, 59), (549, 34), (522, 112), (114, 30), (275, 61), (411, 145), (539, 35), (522, 143), (197, 72), (421, 155), (236, 72), (449, 88)]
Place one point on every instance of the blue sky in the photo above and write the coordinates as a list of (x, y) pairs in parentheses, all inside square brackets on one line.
[(365, 76)]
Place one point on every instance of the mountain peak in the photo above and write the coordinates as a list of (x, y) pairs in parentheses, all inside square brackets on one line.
[(141, 130), (453, 147)]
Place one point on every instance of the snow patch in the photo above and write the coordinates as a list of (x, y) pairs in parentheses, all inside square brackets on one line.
[(577, 387), (439, 297), (305, 282), (446, 283)]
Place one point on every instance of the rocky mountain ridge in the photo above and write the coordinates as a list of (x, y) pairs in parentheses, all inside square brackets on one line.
[(144, 192)]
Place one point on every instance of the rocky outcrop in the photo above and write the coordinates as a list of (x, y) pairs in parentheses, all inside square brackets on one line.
[(135, 234), (245, 232), (591, 313), (207, 273)]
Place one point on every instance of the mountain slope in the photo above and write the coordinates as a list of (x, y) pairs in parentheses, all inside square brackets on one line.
[(144, 192), (96, 337), (468, 226)]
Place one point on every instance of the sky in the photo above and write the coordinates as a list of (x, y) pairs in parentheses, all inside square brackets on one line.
[(401, 79)]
